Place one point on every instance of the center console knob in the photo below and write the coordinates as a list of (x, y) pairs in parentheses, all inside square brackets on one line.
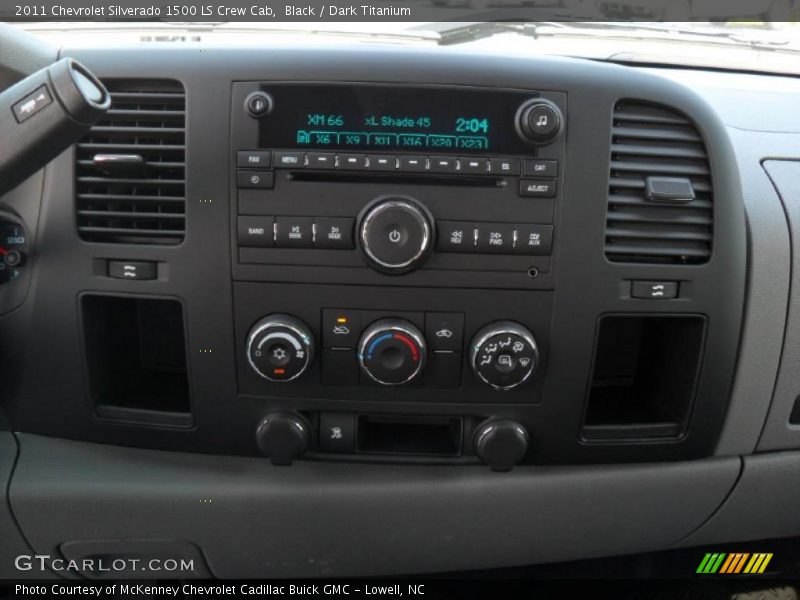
[(280, 347), (503, 354), (392, 352), (283, 437), (395, 235)]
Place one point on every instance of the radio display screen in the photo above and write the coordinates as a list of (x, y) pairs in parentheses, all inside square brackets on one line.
[(378, 118)]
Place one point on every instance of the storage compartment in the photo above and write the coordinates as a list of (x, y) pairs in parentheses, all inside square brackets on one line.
[(136, 359), (644, 376), (381, 434)]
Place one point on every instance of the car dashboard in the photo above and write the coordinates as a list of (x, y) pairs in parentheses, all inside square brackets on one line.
[(286, 303)]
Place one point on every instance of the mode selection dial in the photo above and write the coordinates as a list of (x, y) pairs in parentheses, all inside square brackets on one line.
[(392, 352), (280, 347), (503, 354)]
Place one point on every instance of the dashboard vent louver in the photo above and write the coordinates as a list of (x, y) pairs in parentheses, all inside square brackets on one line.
[(660, 195), (130, 168)]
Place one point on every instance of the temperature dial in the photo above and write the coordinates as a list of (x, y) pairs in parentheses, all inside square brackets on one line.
[(503, 354), (392, 352), (280, 347)]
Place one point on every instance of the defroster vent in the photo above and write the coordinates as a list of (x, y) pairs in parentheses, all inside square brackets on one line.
[(660, 197), (131, 166)]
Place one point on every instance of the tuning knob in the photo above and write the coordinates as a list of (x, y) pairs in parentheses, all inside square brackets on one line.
[(501, 444), (503, 354), (539, 121), (395, 235), (392, 352), (280, 347), (283, 437)]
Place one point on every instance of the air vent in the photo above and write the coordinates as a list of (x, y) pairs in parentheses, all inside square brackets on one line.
[(130, 167), (660, 192)]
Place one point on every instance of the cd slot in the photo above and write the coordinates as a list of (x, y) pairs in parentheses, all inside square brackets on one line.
[(397, 178)]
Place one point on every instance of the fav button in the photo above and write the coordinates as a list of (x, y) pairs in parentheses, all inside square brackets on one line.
[(254, 159)]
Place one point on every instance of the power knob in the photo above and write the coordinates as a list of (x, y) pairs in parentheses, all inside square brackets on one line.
[(280, 347), (395, 235), (539, 121), (392, 352)]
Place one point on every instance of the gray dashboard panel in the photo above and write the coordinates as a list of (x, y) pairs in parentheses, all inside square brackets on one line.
[(733, 96), (778, 432), (763, 505), (12, 543), (317, 519)]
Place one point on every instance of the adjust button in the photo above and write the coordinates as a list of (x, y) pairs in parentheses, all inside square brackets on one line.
[(455, 236), (536, 240), (256, 231), (654, 290), (334, 233), (538, 188), (495, 238), (294, 232)]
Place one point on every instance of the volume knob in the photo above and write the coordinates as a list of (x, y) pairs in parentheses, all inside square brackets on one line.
[(395, 235)]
